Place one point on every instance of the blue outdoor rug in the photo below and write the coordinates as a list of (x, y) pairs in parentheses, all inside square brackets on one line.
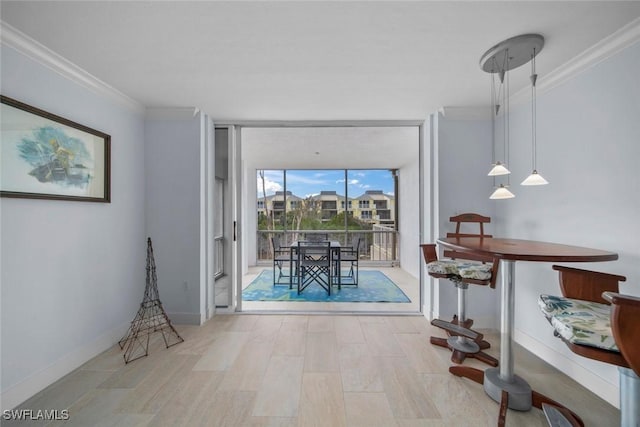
[(373, 286)]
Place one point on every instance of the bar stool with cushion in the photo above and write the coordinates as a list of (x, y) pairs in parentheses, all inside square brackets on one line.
[(462, 269), (597, 322)]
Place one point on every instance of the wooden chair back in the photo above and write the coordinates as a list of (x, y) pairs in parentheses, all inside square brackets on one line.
[(469, 218), (465, 220), (624, 314), (587, 285)]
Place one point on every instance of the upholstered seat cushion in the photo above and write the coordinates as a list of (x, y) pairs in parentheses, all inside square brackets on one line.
[(463, 269), (552, 304), (579, 322), (446, 266), (470, 270)]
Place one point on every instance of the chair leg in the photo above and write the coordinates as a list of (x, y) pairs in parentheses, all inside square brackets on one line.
[(504, 405), (468, 323), (537, 399), (462, 346), (355, 273), (277, 265)]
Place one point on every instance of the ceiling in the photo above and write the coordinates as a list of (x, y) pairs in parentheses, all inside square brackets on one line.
[(297, 61), (330, 147)]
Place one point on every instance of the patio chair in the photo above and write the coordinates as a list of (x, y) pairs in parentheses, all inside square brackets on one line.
[(281, 256), (598, 323), (314, 265), (317, 237), (463, 269), (351, 254)]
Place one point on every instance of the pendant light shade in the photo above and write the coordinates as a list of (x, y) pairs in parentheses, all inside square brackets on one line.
[(498, 169), (534, 179), (502, 192)]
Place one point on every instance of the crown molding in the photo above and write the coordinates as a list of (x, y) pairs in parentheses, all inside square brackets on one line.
[(604, 49), (29, 47), (171, 113), (466, 113)]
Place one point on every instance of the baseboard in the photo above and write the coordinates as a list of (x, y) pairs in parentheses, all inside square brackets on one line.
[(186, 318), (18, 393), (486, 322), (598, 385), (429, 314)]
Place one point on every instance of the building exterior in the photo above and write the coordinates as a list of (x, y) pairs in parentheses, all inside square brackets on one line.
[(277, 202), (373, 207)]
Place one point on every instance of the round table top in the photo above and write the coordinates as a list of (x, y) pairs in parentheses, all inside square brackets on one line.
[(526, 250)]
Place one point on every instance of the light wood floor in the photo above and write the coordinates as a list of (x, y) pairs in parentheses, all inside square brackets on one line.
[(300, 370)]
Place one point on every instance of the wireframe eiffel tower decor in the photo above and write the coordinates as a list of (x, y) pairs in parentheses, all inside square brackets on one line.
[(150, 318)]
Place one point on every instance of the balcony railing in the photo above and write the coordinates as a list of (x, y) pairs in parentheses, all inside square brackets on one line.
[(377, 245)]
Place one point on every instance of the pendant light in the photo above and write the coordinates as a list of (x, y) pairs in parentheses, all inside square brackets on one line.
[(500, 59), (498, 168), (535, 178), (502, 192)]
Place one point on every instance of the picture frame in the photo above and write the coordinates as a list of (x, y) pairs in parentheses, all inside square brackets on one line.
[(45, 156)]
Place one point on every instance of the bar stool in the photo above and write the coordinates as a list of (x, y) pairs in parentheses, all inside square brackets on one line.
[(598, 323), (462, 269)]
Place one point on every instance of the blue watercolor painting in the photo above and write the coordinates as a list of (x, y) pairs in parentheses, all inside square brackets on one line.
[(56, 157)]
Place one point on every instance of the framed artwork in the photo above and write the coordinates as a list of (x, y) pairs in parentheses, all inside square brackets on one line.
[(44, 156)]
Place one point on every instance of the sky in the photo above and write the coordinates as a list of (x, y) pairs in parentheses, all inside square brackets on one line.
[(304, 183)]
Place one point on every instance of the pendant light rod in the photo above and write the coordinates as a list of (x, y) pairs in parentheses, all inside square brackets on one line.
[(534, 78), (497, 100), (494, 112), (534, 178), (507, 112)]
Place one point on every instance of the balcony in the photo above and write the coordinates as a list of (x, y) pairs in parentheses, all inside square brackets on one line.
[(378, 246)]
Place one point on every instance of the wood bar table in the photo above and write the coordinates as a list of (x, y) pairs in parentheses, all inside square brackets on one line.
[(501, 384)]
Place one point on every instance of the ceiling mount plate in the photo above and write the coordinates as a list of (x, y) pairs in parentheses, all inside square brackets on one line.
[(520, 49)]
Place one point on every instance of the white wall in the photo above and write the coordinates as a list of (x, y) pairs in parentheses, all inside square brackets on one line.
[(409, 216), (464, 156), (73, 273), (173, 196), (588, 149)]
